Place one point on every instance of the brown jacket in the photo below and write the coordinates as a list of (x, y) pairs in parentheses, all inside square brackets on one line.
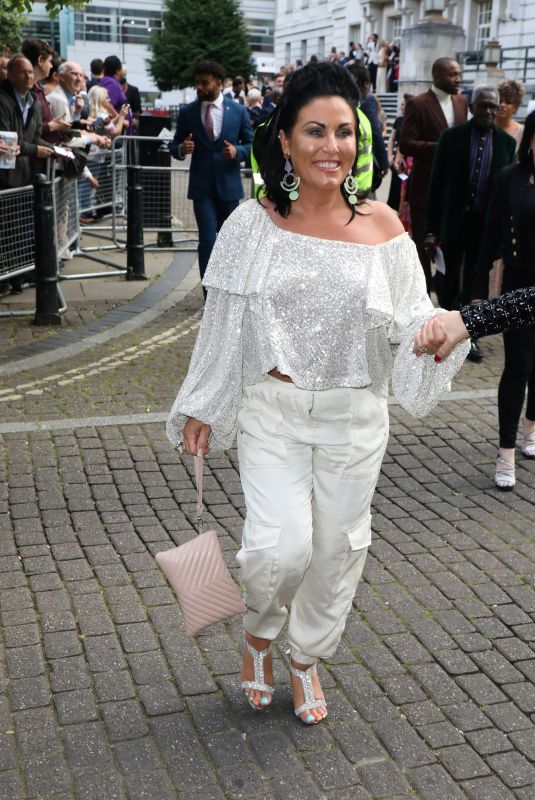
[(423, 122)]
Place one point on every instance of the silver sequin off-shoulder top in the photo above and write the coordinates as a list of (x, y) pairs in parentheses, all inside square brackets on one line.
[(326, 313)]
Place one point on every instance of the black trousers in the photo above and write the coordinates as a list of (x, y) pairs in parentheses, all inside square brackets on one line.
[(454, 288), (418, 215), (372, 69), (519, 370)]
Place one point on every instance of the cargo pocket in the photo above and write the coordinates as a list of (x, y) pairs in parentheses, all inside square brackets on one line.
[(357, 540), (361, 535), (259, 560)]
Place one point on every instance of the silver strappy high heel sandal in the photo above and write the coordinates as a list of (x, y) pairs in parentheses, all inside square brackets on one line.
[(528, 445), (259, 682), (504, 477), (305, 676)]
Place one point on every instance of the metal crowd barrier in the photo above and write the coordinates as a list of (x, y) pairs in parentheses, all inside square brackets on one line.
[(17, 255), (167, 212)]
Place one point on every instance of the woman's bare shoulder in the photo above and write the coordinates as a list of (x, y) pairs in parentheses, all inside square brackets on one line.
[(386, 218)]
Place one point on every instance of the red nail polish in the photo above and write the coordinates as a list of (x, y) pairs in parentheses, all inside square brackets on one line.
[(438, 359)]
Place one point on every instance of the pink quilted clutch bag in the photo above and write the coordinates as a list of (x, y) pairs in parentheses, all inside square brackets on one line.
[(198, 574)]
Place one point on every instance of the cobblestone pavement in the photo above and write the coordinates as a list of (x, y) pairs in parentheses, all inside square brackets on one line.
[(431, 694)]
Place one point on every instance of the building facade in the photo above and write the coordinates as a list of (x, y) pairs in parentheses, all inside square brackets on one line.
[(307, 27), (123, 28)]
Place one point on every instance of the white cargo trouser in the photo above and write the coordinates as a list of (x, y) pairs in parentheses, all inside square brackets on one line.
[(309, 462)]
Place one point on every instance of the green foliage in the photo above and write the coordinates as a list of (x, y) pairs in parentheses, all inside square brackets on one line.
[(53, 7), (10, 30), (195, 30)]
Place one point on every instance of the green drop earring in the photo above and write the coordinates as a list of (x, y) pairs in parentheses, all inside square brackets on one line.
[(290, 182)]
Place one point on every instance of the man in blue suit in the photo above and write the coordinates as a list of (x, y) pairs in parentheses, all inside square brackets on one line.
[(217, 133)]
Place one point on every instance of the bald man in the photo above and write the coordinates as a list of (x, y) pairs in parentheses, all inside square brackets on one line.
[(67, 103)]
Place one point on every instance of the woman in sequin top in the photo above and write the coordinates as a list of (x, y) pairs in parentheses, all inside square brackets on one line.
[(312, 307)]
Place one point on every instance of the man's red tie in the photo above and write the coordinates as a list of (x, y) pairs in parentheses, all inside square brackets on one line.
[(209, 122)]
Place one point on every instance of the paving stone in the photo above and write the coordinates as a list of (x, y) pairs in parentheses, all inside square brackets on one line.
[(137, 637), (299, 786), (11, 787), (437, 683), (102, 783), (523, 694), (481, 689), (139, 755), (85, 744), (160, 698), (150, 667), (402, 689), (497, 668), (67, 674), (488, 741), (384, 778), (29, 693), (331, 769), (441, 734), (524, 741), (403, 743), (274, 752), (35, 731), (242, 780), (150, 785), (513, 769), (104, 653), (357, 742), (508, 717), (467, 716), (25, 662), (76, 706), (115, 685), (462, 762), (46, 775), (490, 788), (124, 720), (434, 783), (62, 644), (455, 662)]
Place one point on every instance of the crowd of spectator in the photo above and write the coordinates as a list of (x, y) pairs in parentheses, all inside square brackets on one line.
[(64, 120)]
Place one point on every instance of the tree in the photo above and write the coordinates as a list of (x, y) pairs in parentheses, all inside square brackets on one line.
[(10, 30), (194, 30)]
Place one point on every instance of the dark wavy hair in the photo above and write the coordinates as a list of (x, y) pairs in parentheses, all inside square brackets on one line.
[(525, 156), (300, 88)]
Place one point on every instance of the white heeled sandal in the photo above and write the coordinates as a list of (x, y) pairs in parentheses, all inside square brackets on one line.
[(305, 676), (504, 476), (259, 682), (528, 445)]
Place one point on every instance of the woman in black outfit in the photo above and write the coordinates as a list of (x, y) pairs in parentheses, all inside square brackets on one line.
[(395, 158), (510, 232)]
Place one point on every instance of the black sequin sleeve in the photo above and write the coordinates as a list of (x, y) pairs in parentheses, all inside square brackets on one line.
[(512, 310)]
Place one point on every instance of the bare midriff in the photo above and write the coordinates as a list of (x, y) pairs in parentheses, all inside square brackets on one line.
[(279, 375)]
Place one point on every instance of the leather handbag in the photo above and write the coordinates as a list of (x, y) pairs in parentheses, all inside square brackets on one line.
[(198, 574)]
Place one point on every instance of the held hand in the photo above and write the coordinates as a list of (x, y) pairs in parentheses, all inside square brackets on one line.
[(188, 145), (196, 435), (92, 181), (78, 104), (44, 152), (229, 151), (6, 148), (440, 335), (58, 124)]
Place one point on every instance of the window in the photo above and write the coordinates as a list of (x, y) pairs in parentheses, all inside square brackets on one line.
[(261, 35), (321, 47), (42, 28), (396, 27), (304, 50), (288, 53), (96, 24), (484, 17)]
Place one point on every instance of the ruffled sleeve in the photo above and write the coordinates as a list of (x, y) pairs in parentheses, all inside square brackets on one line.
[(417, 383), (212, 389)]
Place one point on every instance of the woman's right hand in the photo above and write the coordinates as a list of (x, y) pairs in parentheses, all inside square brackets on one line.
[(196, 435)]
